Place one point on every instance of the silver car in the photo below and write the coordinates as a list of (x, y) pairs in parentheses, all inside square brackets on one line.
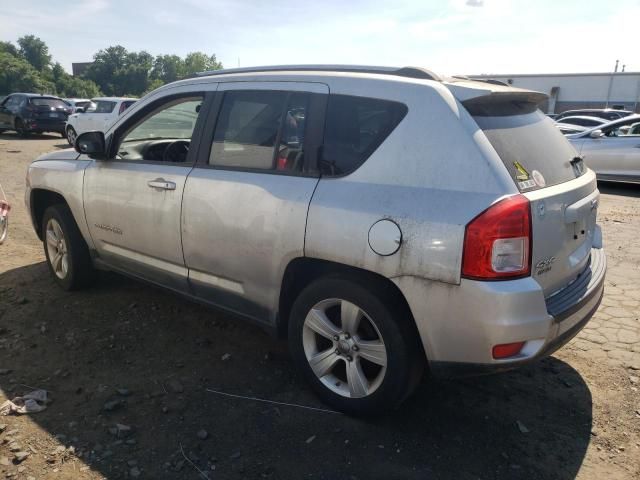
[(612, 150), (384, 220)]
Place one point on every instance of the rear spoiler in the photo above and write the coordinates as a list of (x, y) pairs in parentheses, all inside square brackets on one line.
[(482, 98)]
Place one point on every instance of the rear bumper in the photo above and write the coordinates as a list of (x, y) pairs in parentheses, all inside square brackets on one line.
[(467, 320), (45, 125)]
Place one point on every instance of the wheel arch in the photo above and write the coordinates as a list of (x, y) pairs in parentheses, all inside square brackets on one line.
[(40, 200), (301, 271)]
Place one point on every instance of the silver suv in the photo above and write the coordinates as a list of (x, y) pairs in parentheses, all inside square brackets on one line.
[(384, 220)]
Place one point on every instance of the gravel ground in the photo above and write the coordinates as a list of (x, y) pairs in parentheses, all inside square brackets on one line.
[(128, 368)]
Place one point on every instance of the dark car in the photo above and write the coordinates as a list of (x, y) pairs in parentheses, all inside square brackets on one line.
[(31, 112), (605, 113)]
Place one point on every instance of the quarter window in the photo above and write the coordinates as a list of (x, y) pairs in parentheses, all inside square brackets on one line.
[(252, 123), (355, 127)]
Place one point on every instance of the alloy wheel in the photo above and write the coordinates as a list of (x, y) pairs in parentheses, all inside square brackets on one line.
[(57, 249), (71, 136), (344, 348)]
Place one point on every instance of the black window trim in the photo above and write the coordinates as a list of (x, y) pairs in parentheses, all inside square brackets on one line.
[(371, 150), (146, 111), (314, 132)]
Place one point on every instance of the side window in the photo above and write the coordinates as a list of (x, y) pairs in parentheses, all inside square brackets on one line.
[(354, 128), (261, 130), (124, 105), (10, 102), (103, 106), (164, 133)]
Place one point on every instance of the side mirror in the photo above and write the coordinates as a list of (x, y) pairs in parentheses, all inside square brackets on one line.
[(596, 133), (79, 110), (92, 144)]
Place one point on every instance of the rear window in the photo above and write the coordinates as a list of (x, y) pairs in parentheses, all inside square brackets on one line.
[(532, 148), (48, 102), (355, 127)]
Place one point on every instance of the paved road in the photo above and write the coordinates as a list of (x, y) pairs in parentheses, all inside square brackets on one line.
[(614, 332)]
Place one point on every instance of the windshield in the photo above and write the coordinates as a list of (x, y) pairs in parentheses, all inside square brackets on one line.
[(48, 102), (532, 148)]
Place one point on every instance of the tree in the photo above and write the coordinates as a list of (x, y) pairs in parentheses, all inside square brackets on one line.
[(167, 68), (17, 75), (196, 62), (8, 47), (35, 51), (118, 72)]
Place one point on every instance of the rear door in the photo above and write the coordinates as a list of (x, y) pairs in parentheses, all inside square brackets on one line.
[(245, 203), (547, 170), (97, 118)]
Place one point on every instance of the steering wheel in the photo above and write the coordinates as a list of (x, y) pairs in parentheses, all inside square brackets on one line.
[(176, 152)]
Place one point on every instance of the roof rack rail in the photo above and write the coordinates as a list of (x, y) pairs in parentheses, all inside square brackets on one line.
[(410, 72)]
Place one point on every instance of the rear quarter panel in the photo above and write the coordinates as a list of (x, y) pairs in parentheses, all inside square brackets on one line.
[(434, 173)]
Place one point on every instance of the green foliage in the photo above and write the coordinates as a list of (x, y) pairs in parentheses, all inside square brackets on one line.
[(115, 71), (8, 47), (34, 51), (118, 72), (17, 75), (200, 62)]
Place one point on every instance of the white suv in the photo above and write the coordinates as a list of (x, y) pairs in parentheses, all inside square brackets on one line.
[(385, 220), (99, 115)]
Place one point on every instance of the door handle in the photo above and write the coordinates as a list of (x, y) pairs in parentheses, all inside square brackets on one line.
[(162, 184)]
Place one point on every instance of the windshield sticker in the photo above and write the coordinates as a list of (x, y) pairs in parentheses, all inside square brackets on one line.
[(538, 178), (522, 174)]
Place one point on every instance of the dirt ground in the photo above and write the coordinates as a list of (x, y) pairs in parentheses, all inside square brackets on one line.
[(128, 368)]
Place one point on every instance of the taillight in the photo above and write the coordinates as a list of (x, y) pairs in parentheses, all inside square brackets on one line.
[(497, 243)]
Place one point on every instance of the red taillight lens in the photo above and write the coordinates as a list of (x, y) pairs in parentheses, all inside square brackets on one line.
[(497, 243), (507, 350)]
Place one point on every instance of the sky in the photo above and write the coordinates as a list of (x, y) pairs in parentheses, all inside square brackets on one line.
[(446, 36)]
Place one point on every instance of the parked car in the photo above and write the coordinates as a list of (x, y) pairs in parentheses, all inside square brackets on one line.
[(569, 129), (33, 113), (612, 150), (78, 104), (584, 121), (606, 113), (382, 219), (99, 115)]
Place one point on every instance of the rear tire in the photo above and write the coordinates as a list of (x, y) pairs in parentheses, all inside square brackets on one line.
[(20, 130), (361, 342), (66, 251)]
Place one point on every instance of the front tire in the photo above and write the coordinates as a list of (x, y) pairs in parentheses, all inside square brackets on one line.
[(66, 251), (356, 346), (71, 136)]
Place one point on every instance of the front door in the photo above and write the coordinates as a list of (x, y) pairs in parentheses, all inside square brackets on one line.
[(6, 115), (133, 201), (245, 204), (614, 157)]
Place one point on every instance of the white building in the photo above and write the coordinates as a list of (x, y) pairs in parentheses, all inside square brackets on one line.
[(579, 90)]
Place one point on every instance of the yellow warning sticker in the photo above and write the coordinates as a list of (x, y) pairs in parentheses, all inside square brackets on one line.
[(522, 174)]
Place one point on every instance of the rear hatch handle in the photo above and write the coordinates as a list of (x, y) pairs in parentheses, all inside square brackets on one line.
[(578, 210)]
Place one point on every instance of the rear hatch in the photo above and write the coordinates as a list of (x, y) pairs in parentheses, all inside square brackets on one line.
[(49, 109), (547, 170)]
